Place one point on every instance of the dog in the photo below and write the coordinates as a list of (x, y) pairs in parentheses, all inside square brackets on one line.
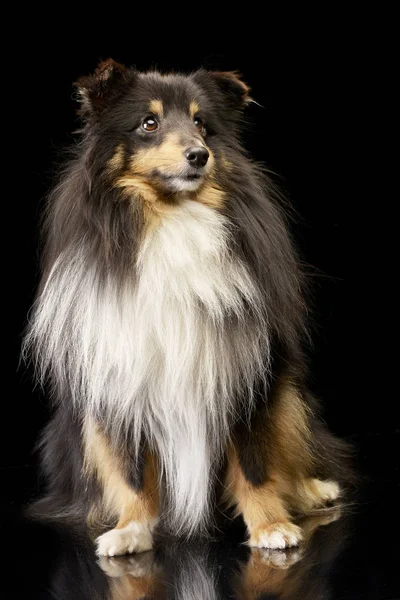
[(170, 324)]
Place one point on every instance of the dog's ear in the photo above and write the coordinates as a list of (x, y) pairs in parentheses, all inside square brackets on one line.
[(235, 91), (97, 91)]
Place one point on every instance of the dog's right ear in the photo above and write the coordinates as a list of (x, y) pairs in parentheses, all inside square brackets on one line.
[(97, 91)]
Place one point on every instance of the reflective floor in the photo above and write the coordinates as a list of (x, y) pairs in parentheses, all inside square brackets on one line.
[(348, 554)]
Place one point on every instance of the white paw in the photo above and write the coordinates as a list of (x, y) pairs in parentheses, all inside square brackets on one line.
[(135, 537), (327, 490), (277, 536)]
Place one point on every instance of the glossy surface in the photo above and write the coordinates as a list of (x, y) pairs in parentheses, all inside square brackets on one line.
[(349, 554)]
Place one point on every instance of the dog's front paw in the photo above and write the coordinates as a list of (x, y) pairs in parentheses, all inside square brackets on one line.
[(135, 537), (276, 536)]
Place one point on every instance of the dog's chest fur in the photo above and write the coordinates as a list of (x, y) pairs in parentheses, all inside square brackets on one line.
[(163, 352), (191, 344)]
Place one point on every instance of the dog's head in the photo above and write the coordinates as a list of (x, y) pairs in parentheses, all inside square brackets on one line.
[(161, 134)]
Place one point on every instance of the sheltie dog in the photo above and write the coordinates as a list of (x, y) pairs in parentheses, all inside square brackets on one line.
[(170, 324)]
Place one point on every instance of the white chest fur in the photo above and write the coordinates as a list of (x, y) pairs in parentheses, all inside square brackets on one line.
[(158, 354)]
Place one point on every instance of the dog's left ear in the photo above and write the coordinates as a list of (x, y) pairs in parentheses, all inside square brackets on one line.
[(235, 91), (96, 92)]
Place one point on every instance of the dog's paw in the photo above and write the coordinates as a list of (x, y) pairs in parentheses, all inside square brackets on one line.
[(328, 491), (135, 537), (276, 536)]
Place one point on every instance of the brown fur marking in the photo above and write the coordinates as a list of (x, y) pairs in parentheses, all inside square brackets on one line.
[(210, 194), (156, 108), (167, 157), (194, 108), (291, 458), (291, 446), (259, 505), (119, 501), (225, 163), (117, 161)]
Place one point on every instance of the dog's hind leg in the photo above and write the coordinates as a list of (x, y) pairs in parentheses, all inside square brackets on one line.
[(273, 465), (262, 507)]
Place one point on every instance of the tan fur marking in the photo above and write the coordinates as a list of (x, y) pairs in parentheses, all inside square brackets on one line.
[(291, 448), (139, 186), (210, 194), (292, 454), (314, 493), (235, 76), (119, 500), (226, 164), (291, 460), (194, 108), (148, 498), (117, 161), (167, 157), (290, 451), (154, 204), (258, 505), (156, 108)]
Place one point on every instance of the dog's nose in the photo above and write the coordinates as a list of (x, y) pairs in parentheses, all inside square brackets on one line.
[(197, 156)]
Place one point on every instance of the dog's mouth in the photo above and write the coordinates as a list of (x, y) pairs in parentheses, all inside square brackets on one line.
[(184, 176), (187, 180), (193, 176)]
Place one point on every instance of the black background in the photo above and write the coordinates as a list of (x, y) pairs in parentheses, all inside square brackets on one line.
[(322, 86)]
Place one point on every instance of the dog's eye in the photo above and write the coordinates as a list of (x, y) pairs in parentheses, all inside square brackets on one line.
[(150, 124), (200, 125)]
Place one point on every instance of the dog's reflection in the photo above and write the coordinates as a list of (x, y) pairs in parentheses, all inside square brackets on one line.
[(178, 573), (214, 572), (136, 576)]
